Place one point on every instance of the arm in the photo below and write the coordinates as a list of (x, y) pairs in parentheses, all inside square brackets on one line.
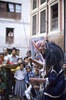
[(13, 66), (36, 62), (26, 79), (15, 75), (37, 80), (51, 79), (64, 66)]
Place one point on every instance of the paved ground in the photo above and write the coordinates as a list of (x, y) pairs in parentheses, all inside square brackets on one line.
[(14, 98)]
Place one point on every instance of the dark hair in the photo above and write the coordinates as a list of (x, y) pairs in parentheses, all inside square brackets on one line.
[(28, 53), (53, 55), (28, 67), (14, 49), (22, 63), (19, 59), (18, 50), (25, 58)]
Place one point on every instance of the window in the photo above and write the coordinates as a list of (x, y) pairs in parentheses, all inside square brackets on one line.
[(34, 25), (42, 1), (43, 21), (54, 17), (9, 35), (34, 4), (2, 6), (13, 7), (10, 10), (18, 8), (10, 7)]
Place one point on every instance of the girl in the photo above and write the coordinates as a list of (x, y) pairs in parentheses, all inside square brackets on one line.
[(29, 89), (54, 83), (20, 81)]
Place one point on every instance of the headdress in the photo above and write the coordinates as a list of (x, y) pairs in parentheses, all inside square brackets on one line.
[(53, 54)]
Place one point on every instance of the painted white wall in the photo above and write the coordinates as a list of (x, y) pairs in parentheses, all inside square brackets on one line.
[(21, 28)]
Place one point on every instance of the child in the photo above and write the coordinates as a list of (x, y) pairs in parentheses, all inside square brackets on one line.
[(54, 83), (20, 81), (36, 71), (19, 60), (27, 62), (29, 86)]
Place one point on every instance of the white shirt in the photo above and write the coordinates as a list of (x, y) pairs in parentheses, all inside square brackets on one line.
[(13, 59), (6, 57), (20, 74)]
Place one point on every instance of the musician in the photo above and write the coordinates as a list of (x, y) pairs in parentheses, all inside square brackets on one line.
[(54, 83)]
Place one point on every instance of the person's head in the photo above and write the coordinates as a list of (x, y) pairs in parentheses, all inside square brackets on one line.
[(19, 60), (38, 57), (18, 52), (14, 52), (22, 65), (53, 55), (42, 47), (36, 69), (28, 69), (5, 51), (28, 53), (26, 60)]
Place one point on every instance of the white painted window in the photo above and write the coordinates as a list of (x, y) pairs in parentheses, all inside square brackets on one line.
[(18, 8), (34, 25), (11, 7), (34, 4), (42, 1), (43, 21), (54, 17)]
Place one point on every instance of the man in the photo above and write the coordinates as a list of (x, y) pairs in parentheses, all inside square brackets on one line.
[(13, 60), (18, 53), (28, 53), (13, 57), (6, 55), (5, 73)]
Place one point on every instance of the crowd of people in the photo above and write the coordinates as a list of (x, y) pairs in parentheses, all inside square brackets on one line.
[(38, 78)]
